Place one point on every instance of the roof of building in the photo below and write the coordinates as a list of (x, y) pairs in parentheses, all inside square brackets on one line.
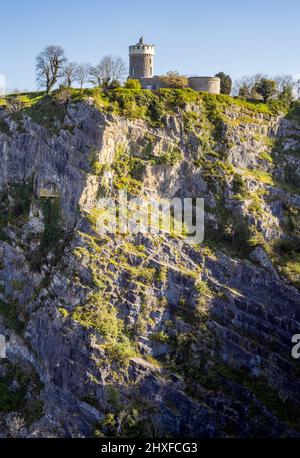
[(141, 42)]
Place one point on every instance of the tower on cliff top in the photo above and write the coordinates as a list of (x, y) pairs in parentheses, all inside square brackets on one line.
[(141, 60)]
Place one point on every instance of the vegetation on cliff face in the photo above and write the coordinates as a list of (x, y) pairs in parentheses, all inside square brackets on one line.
[(204, 322), (20, 392), (15, 205), (132, 103)]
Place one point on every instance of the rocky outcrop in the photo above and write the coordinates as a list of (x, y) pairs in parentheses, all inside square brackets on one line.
[(145, 334)]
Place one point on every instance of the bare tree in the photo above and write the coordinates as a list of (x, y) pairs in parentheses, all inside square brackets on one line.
[(69, 73), (49, 65), (284, 82), (287, 87), (111, 68), (242, 86), (95, 75), (246, 86), (82, 74)]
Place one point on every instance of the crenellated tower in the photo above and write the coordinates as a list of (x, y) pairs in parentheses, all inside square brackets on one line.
[(141, 60)]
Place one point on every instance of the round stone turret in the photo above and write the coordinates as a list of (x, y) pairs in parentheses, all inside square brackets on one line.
[(211, 84), (141, 60)]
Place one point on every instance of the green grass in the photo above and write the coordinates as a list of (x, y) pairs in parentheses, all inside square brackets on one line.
[(172, 157), (266, 157), (102, 317), (41, 108), (160, 337), (132, 103), (259, 175)]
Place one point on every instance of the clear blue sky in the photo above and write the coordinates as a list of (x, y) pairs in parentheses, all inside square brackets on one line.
[(194, 37)]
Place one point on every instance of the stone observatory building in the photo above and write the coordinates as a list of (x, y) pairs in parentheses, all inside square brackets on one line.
[(141, 67), (141, 58)]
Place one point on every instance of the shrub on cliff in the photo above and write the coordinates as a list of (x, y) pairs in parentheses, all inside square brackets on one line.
[(133, 84), (266, 88), (226, 83), (175, 80)]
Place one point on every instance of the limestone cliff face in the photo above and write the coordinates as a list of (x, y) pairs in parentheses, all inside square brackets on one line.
[(145, 334)]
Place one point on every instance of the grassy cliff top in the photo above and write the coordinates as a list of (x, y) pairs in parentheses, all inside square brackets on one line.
[(139, 104)]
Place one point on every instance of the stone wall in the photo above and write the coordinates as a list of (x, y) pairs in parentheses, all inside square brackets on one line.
[(199, 83), (205, 83), (152, 83)]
